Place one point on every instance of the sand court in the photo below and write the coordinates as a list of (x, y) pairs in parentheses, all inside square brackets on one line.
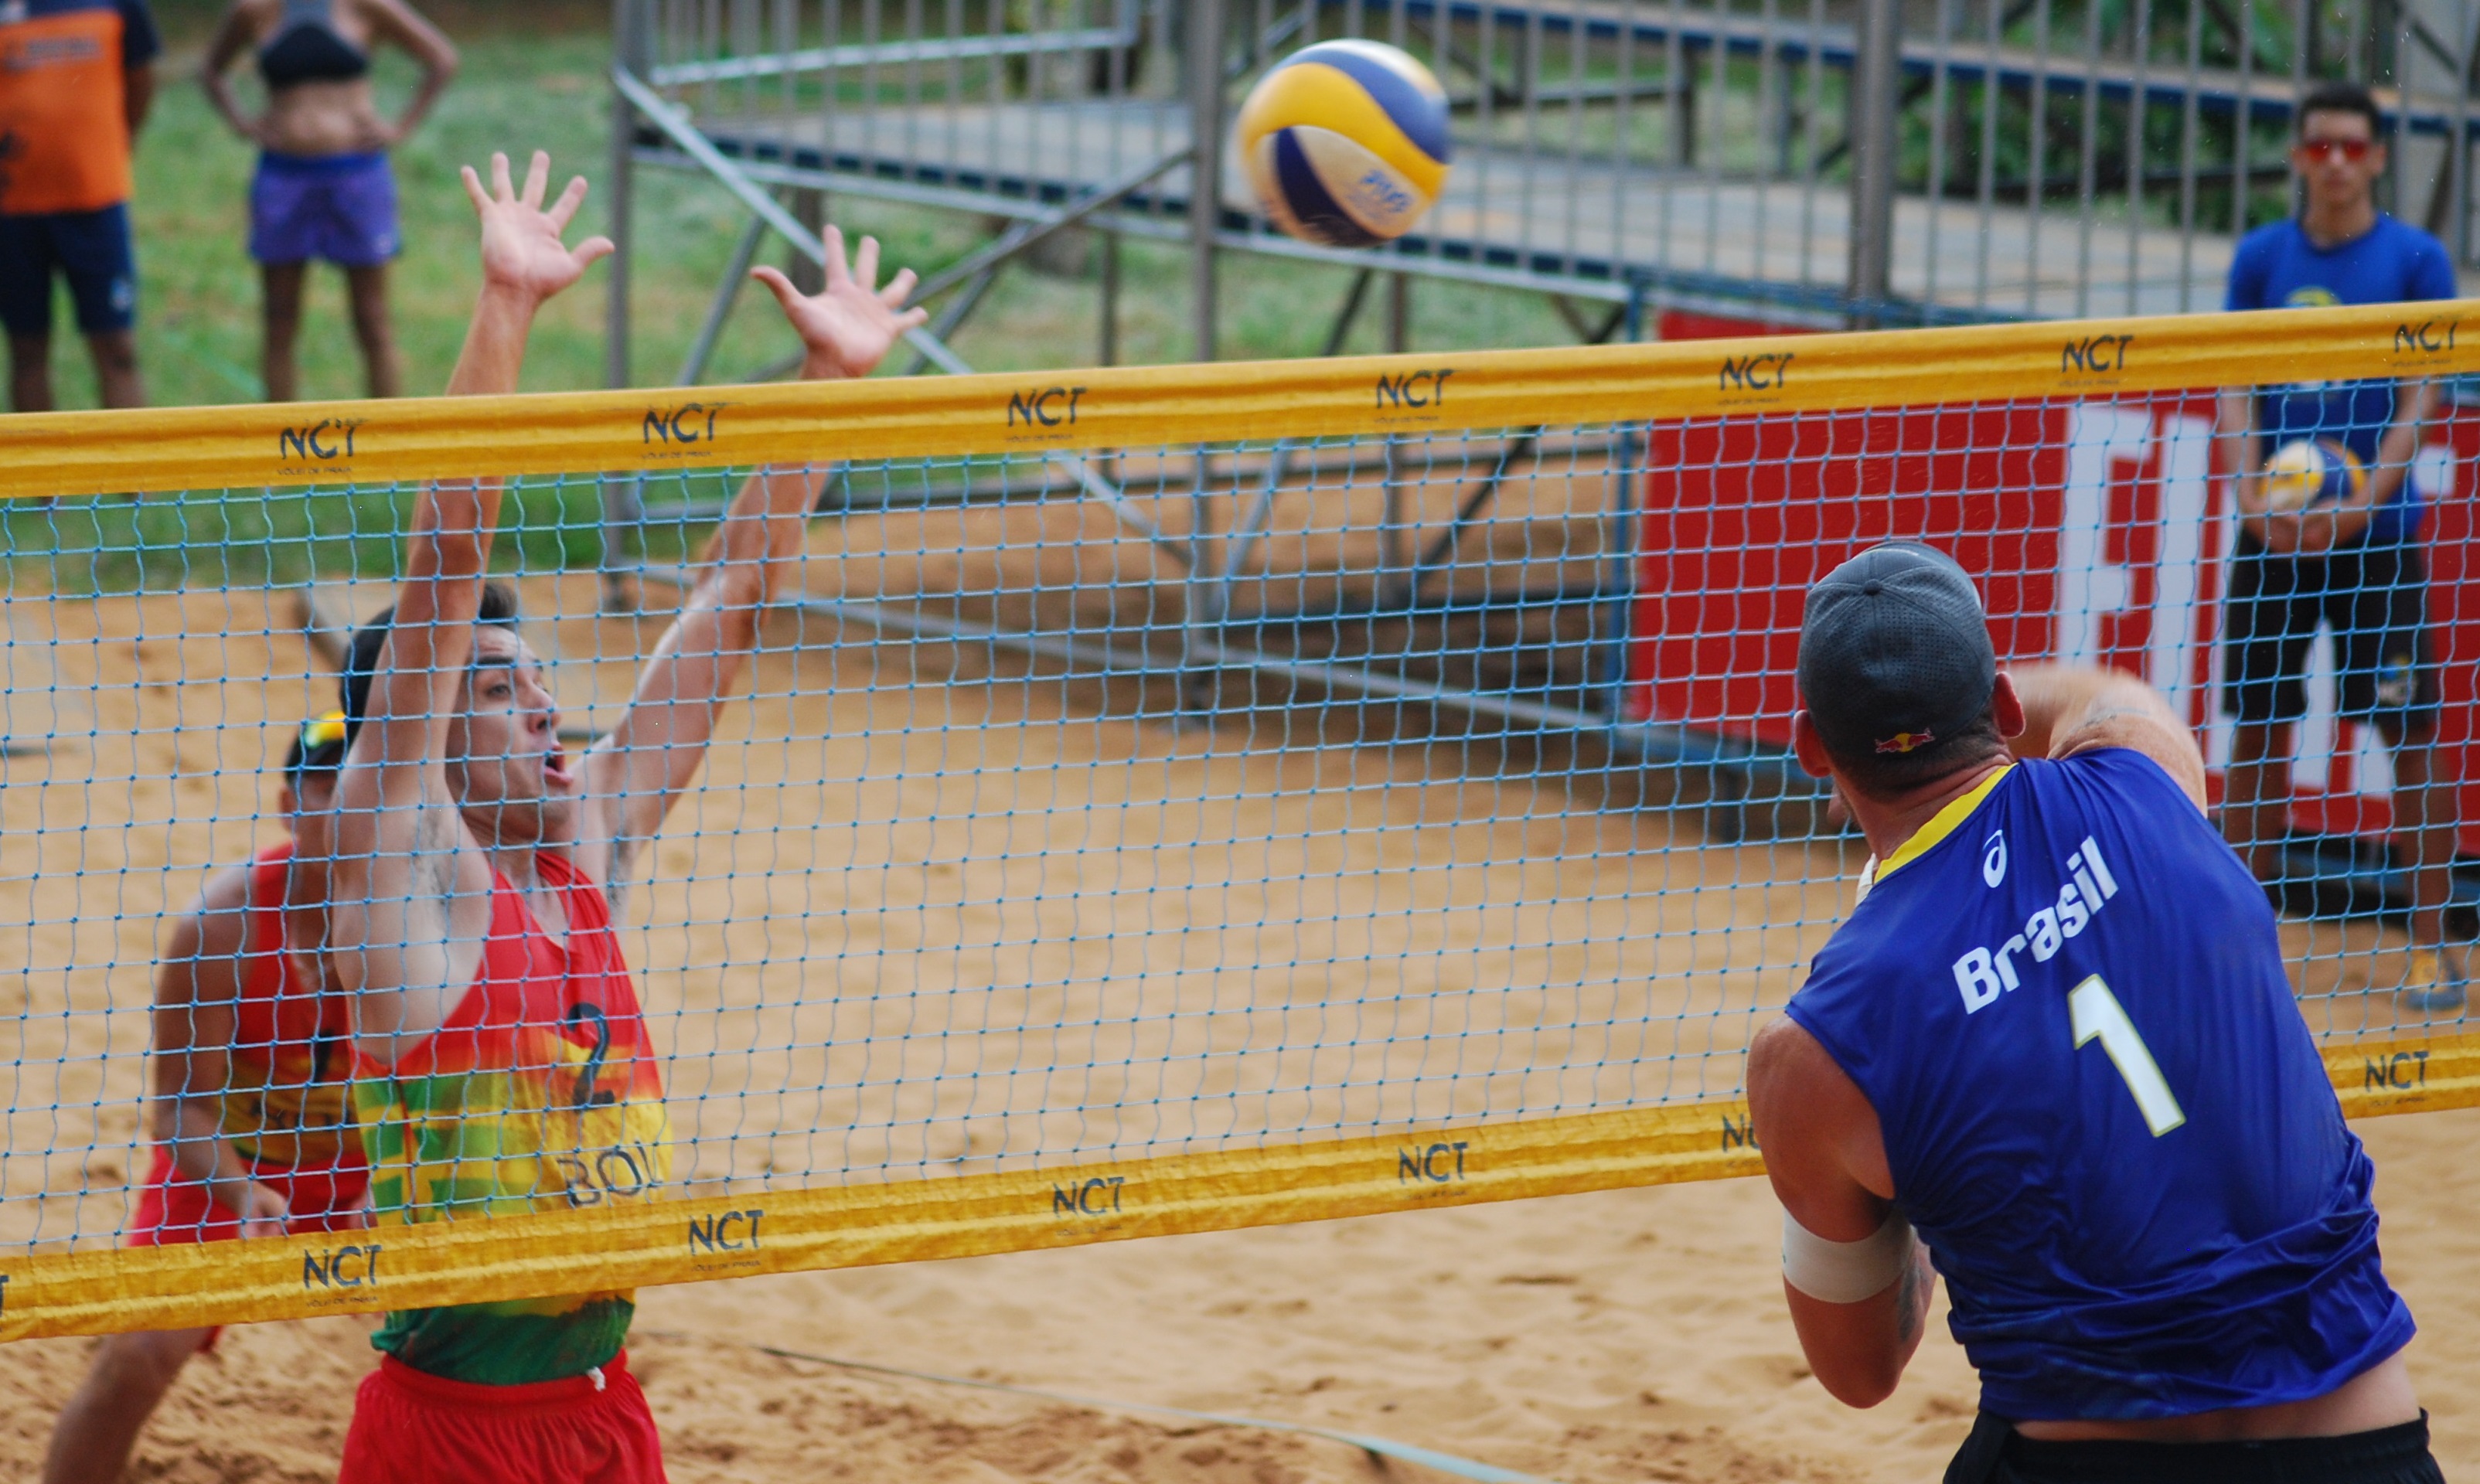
[(923, 917), (930, 913)]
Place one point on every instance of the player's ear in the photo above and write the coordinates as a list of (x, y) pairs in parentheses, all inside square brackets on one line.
[(1809, 747), (2006, 709), (286, 803)]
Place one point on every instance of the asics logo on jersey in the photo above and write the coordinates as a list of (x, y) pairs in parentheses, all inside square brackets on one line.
[(1984, 973), (1992, 858)]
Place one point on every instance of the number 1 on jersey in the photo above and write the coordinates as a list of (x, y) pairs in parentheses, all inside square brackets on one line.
[(2095, 1013)]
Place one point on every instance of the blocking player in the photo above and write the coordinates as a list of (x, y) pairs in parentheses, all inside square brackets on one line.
[(509, 1063), (253, 1136), (2356, 564), (2053, 1054)]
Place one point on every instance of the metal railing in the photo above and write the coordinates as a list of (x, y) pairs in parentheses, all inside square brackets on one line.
[(1790, 162), (1809, 162)]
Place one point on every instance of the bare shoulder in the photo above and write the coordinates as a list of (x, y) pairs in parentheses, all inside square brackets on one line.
[(246, 23), (2111, 709), (396, 18), (1819, 1130), (2072, 709), (1799, 1093), (254, 15), (2152, 733), (1789, 1069), (203, 945), (222, 911)]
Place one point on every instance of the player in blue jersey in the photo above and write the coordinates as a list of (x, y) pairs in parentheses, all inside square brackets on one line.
[(2354, 564), (2054, 1055)]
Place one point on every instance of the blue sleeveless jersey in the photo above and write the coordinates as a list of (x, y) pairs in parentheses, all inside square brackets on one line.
[(2102, 1110)]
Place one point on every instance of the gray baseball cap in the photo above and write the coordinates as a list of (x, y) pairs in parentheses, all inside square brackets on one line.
[(1894, 652)]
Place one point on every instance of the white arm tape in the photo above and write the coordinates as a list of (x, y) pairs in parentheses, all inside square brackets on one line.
[(1845, 1273)]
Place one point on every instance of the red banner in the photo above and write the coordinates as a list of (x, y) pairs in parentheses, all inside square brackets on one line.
[(2097, 531)]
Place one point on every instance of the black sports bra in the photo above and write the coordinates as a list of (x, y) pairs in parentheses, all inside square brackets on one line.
[(308, 48)]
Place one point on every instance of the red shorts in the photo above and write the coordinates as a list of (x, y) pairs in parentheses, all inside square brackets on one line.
[(171, 1212), (412, 1428)]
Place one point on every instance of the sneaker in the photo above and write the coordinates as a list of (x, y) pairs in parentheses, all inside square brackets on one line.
[(2433, 985)]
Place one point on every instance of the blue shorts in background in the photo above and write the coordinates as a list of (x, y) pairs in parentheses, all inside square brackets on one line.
[(337, 206), (90, 249)]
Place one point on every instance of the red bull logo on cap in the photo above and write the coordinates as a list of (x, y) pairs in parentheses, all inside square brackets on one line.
[(1905, 741)]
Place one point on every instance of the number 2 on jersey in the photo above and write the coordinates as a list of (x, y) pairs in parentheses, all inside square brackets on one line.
[(2095, 1013)]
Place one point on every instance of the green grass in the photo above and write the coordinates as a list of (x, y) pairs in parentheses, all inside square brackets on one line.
[(524, 88)]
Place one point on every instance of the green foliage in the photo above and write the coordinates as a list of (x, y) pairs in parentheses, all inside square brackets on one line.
[(2102, 153)]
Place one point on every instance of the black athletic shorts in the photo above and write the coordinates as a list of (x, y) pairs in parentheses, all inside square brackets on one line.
[(2387, 1455), (2375, 597)]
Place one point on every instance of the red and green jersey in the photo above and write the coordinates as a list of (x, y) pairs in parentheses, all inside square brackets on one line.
[(539, 1093)]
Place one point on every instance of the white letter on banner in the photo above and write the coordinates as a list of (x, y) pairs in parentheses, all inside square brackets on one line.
[(2186, 492), (2320, 730), (2099, 436)]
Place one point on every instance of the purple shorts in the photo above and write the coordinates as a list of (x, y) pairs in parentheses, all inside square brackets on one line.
[(337, 206)]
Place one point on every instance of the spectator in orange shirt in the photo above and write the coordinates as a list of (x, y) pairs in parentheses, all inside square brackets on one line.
[(75, 79)]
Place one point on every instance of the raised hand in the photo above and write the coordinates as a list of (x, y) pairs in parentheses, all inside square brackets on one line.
[(522, 251), (849, 327)]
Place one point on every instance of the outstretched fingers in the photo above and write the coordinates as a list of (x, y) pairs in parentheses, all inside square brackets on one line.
[(501, 189), (899, 289), (866, 265), (836, 272), (474, 190), (569, 200), (592, 250), (538, 178), (778, 285)]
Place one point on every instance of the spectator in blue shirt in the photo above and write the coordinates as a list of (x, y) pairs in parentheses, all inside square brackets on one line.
[(2354, 564)]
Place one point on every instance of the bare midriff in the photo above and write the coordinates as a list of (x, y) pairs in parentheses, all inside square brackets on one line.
[(314, 119), (2380, 1396)]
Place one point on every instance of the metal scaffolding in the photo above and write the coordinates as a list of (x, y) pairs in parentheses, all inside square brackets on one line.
[(1794, 163), (1810, 162)]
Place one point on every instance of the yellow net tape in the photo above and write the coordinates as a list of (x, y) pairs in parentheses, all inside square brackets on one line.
[(438, 438), (854, 1225), (858, 1226)]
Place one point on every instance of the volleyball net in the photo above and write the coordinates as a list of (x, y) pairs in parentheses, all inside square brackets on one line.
[(1171, 799)]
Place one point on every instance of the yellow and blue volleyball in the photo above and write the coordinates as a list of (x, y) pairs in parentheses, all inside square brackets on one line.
[(2311, 472), (1346, 142)]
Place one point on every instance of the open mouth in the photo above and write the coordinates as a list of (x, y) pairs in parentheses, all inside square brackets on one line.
[(555, 768)]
